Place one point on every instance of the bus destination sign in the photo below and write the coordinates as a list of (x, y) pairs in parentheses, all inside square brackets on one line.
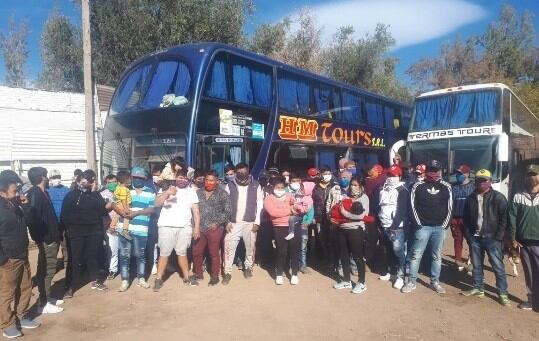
[(457, 132)]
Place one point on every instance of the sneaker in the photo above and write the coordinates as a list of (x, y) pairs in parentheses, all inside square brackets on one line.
[(408, 287), (12, 332), (385, 277), (125, 234), (99, 286), (438, 288), (68, 293), (525, 306), (474, 292), (27, 323), (399, 283), (279, 280), (49, 309), (187, 281), (504, 300), (289, 236), (193, 281), (142, 283), (112, 275), (294, 280), (154, 270), (226, 279), (213, 281), (158, 284), (56, 302), (124, 286), (342, 285), (247, 273), (359, 288)]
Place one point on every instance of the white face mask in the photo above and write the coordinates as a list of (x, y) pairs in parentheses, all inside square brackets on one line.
[(295, 186), (279, 192), (287, 178), (55, 182), (326, 177), (393, 180), (156, 179)]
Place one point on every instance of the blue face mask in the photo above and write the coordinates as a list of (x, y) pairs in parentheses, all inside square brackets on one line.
[(138, 183), (344, 182), (460, 178), (230, 178)]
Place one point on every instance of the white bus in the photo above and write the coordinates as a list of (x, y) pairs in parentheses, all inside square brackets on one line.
[(482, 125)]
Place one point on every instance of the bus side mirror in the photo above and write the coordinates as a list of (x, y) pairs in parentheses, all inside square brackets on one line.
[(503, 147)]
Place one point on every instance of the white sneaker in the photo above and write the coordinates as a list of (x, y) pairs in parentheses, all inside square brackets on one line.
[(399, 283), (142, 283), (50, 309), (154, 269), (124, 286), (385, 277), (289, 236), (279, 280), (294, 280)]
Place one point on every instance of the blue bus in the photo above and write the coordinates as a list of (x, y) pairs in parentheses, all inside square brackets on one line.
[(215, 104)]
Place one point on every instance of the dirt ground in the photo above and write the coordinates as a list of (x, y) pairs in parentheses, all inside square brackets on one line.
[(257, 309)]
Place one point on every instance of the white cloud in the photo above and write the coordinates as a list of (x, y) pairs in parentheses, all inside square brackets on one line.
[(411, 21)]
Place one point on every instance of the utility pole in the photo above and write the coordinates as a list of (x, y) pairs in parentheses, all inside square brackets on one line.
[(89, 119)]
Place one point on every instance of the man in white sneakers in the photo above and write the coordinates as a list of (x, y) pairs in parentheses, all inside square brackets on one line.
[(176, 227)]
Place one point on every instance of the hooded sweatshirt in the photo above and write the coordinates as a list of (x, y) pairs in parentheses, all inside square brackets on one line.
[(394, 201)]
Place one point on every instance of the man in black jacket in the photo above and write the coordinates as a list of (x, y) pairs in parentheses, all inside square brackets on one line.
[(45, 232), (485, 223), (15, 274), (320, 197)]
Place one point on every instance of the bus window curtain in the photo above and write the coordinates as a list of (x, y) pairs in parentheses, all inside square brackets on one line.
[(131, 90), (375, 114), (218, 86), (389, 114), (261, 88), (432, 113), (288, 99), (183, 80), (336, 105), (243, 92), (486, 104), (352, 108), (160, 84), (303, 97), (321, 99)]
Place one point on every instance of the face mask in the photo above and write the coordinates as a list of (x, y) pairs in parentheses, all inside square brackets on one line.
[(356, 191), (243, 178), (287, 178), (210, 186), (460, 178), (279, 192), (295, 186), (229, 178), (199, 183), (182, 183), (392, 181), (353, 171), (326, 178), (483, 186), (344, 182), (156, 179), (55, 182), (85, 188), (111, 186), (138, 183), (433, 176)]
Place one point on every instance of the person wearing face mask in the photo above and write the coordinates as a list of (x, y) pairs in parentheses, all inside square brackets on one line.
[(179, 222), (420, 171), (394, 201), (247, 200), (285, 173), (198, 179), (431, 202), (82, 214), (461, 190), (45, 231), (320, 196), (524, 234), (350, 166), (57, 193), (230, 174), (485, 223), (215, 216), (111, 236)]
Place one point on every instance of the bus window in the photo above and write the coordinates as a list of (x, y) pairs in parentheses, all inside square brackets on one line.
[(351, 111), (170, 78), (216, 84), (252, 83), (329, 157), (296, 158), (375, 114), (389, 116), (432, 113), (131, 90), (294, 94), (475, 109)]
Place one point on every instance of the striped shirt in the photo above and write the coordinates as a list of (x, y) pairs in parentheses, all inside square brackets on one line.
[(138, 226), (460, 193)]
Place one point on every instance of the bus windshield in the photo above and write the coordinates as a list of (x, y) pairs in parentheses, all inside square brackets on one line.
[(476, 152), (457, 110)]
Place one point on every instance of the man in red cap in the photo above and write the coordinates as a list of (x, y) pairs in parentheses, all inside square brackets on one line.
[(393, 215), (420, 171), (461, 190), (313, 175)]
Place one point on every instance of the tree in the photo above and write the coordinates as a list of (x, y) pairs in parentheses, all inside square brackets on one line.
[(15, 52), (145, 26), (270, 39), (61, 53)]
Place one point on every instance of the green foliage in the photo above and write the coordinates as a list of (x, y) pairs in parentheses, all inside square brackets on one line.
[(61, 53), (270, 39), (14, 45)]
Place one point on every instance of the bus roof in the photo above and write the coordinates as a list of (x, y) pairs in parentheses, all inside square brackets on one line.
[(464, 88), (211, 48)]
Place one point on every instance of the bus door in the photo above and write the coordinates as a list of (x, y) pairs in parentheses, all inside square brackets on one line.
[(215, 152)]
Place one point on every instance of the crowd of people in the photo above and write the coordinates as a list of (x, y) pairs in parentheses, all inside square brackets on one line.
[(386, 219)]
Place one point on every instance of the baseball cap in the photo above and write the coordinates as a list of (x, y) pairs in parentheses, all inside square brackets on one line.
[(394, 171), (532, 169), (434, 164), (138, 172), (464, 169), (273, 170), (483, 174), (421, 168), (312, 172)]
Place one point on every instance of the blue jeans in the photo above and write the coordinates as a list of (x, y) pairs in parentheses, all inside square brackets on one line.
[(493, 248), (137, 248), (397, 240), (303, 247), (422, 237)]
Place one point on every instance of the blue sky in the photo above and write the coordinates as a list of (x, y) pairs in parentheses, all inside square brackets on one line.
[(419, 26)]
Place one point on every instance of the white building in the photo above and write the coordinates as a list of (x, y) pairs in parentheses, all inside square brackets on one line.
[(45, 128)]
